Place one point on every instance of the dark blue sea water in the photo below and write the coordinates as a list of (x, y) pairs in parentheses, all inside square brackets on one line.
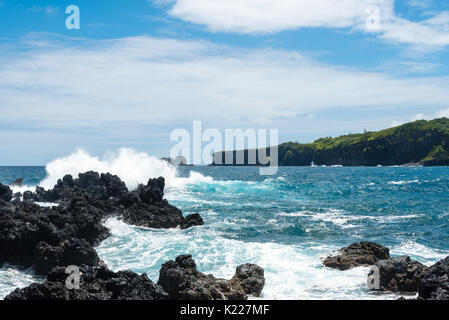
[(286, 223)]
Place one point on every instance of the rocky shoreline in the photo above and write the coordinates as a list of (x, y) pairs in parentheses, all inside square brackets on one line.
[(179, 280), (48, 239), (398, 275)]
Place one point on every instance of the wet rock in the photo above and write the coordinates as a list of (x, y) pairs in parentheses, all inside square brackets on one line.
[(153, 192), (191, 221), (17, 195), (28, 196), (357, 254), (251, 278), (400, 274), (116, 188), (434, 284), (160, 216), (17, 183), (70, 252), (42, 238), (5, 207), (182, 281), (96, 283), (142, 207), (5, 193), (178, 279)]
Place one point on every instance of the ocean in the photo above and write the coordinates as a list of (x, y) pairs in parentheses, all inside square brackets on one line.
[(285, 223)]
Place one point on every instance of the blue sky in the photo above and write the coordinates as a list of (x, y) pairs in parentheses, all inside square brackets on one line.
[(136, 70)]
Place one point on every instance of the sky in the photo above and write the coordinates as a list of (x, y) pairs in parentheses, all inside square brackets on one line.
[(137, 70)]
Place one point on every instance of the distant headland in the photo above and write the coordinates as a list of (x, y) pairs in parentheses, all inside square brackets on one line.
[(424, 143)]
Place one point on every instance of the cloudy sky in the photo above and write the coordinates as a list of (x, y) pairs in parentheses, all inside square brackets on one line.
[(136, 70)]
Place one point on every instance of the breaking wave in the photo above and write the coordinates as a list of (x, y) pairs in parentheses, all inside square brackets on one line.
[(131, 166)]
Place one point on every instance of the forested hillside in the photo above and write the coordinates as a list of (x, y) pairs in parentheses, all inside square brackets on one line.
[(420, 142)]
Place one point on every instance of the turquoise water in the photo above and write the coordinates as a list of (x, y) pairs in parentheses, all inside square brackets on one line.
[(286, 223)]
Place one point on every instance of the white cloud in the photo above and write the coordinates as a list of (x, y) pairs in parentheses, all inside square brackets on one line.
[(151, 81), (268, 16), (430, 32), (420, 4), (419, 116), (51, 10), (47, 9), (442, 114), (395, 123)]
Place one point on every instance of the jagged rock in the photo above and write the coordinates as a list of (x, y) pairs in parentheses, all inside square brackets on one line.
[(5, 193), (28, 196), (96, 283), (182, 281), (153, 192), (158, 216), (191, 221), (17, 195), (434, 284), (70, 252), (31, 236), (116, 187), (142, 207), (45, 237), (17, 183), (251, 278), (357, 254), (400, 274), (178, 280)]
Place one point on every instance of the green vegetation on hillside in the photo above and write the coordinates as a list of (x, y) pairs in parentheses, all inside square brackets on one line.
[(420, 142)]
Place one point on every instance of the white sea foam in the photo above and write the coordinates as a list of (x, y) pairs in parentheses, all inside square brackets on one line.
[(270, 180), (131, 166), (403, 182), (291, 271), (22, 189), (334, 216), (345, 220), (419, 252), (12, 278), (47, 204)]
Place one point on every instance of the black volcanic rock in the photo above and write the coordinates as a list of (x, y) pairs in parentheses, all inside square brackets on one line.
[(357, 254), (116, 188), (17, 183), (434, 284), (142, 207), (251, 278), (400, 274), (5, 193), (46, 237), (191, 221), (42, 238), (96, 283), (178, 280), (158, 216), (28, 196), (17, 195), (70, 252), (153, 192), (182, 281)]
